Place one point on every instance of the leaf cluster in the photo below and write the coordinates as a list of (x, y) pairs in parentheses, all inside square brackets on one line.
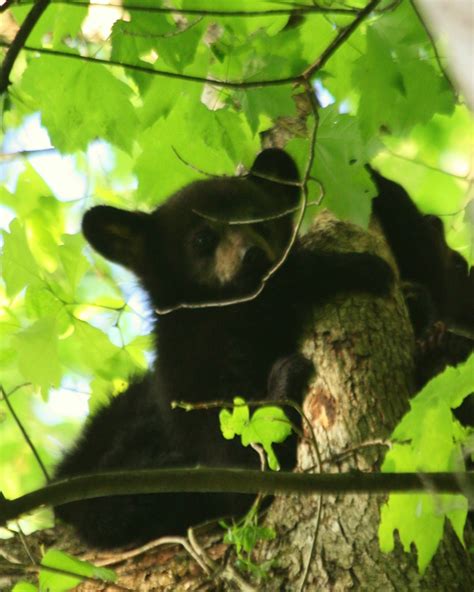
[(429, 438)]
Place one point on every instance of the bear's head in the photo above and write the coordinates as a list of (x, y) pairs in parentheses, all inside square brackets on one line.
[(212, 240)]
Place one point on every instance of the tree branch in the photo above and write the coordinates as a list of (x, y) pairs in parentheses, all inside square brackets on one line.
[(164, 73), (22, 35), (293, 9), (5, 397), (343, 35), (231, 480)]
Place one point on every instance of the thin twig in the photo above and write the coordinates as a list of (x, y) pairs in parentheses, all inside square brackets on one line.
[(5, 397), (435, 50), (154, 72), (256, 174), (427, 166), (167, 35), (6, 5), (292, 9), (353, 449), (25, 544), (8, 156), (245, 221), (17, 44), (344, 33), (315, 110), (27, 568), (167, 540), (312, 550), (197, 169)]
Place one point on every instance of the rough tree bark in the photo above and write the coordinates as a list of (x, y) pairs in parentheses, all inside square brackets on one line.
[(362, 348)]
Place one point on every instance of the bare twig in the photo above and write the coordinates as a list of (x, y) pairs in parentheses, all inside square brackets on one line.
[(17, 44), (314, 107), (245, 221), (6, 5), (22, 568), (120, 556), (167, 35), (166, 74), (427, 166), (289, 10), (354, 449), (5, 397), (8, 156), (312, 550), (344, 33), (435, 50)]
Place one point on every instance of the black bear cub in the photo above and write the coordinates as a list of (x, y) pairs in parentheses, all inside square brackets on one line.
[(192, 250)]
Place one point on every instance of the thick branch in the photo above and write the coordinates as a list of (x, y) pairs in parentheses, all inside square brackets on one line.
[(14, 48), (231, 480)]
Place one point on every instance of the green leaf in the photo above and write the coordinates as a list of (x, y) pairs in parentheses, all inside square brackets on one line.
[(67, 91), (42, 301), (267, 426), (262, 106), (163, 96), (213, 141), (430, 440), (38, 343), (444, 392), (74, 264), (58, 22), (24, 587), (88, 349), (30, 191), (233, 422), (402, 92), (174, 46), (338, 165), (137, 348), (61, 582), (19, 268), (422, 525)]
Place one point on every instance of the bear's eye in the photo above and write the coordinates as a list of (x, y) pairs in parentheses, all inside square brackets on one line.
[(205, 241)]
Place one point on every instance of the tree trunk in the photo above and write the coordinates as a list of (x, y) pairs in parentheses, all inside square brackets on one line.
[(362, 348)]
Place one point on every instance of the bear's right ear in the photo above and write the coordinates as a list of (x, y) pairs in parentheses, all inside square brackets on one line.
[(274, 163), (118, 235)]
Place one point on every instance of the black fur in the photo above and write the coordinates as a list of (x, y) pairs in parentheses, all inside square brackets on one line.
[(439, 286), (215, 353), (424, 258)]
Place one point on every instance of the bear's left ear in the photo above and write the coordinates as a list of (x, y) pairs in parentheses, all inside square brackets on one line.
[(276, 165), (116, 234)]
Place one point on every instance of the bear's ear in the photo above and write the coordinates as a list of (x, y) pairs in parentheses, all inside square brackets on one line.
[(275, 163), (116, 234)]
